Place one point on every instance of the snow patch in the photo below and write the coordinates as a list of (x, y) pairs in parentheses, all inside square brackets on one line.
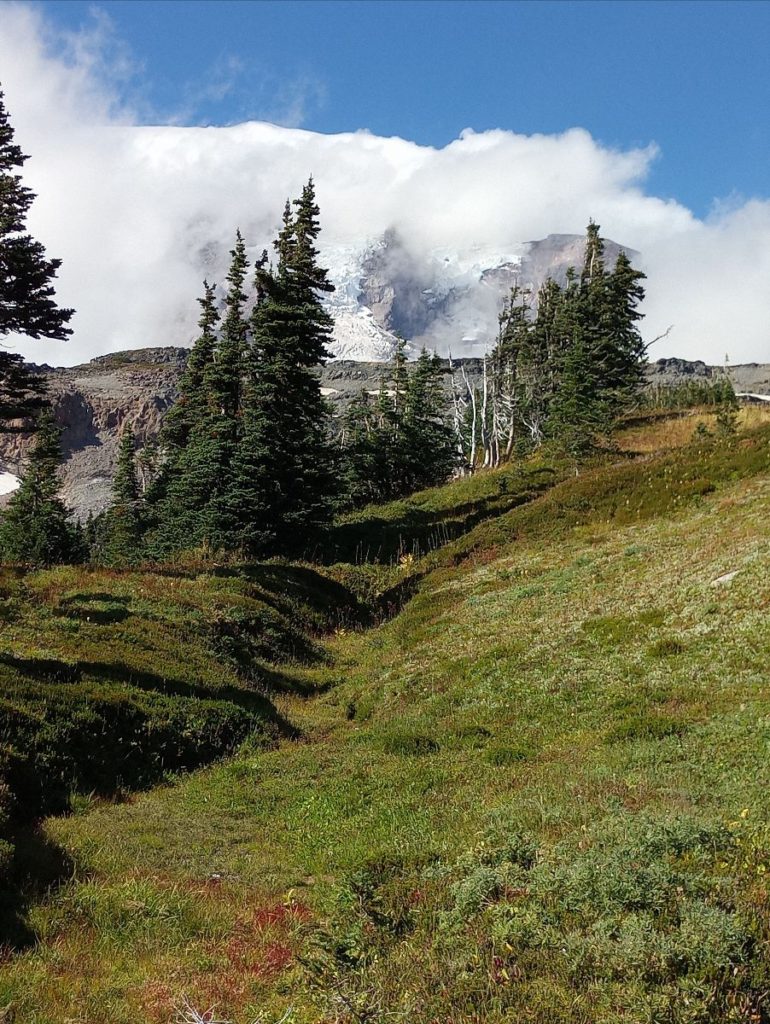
[(473, 320), (357, 335), (8, 483)]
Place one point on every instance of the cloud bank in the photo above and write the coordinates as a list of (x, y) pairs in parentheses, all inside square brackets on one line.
[(138, 213)]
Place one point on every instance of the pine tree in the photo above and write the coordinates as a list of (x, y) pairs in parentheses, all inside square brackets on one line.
[(625, 351), (600, 354), (189, 505), (35, 529), (402, 441), (122, 527), (27, 304), (364, 464), (225, 373)]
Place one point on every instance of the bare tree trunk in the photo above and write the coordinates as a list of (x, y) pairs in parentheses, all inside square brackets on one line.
[(473, 443), (457, 406), (485, 432)]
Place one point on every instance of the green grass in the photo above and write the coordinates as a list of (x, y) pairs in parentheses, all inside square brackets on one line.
[(536, 794), (410, 527), (110, 682)]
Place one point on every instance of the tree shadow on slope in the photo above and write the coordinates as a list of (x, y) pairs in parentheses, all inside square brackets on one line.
[(38, 866), (410, 528), (55, 674), (99, 608), (318, 602)]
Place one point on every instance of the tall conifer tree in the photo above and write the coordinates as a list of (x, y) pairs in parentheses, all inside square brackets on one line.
[(283, 476), (177, 500), (27, 303), (193, 401), (35, 528), (122, 526)]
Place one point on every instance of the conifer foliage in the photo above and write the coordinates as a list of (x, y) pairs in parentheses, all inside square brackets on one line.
[(27, 303), (284, 480), (35, 529), (401, 442), (564, 374), (121, 527), (248, 463)]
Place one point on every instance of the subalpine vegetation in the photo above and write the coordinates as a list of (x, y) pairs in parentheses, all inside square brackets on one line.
[(502, 757), (535, 793)]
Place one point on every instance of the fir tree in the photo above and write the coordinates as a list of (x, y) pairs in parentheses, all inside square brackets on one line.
[(600, 366), (225, 373), (193, 401), (122, 527), (188, 504), (401, 442), (283, 481), (35, 529), (625, 352), (427, 439), (364, 461), (27, 304)]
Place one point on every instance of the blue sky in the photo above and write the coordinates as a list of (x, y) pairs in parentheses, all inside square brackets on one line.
[(650, 118), (691, 77)]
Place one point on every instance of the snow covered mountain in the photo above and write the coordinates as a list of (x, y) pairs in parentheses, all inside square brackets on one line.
[(447, 301)]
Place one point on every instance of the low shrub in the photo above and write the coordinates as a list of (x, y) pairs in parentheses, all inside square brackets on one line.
[(409, 743), (646, 726), (666, 648)]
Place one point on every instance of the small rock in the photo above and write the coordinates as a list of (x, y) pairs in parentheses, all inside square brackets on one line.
[(727, 577)]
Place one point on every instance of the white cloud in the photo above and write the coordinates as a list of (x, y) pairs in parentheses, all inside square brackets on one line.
[(132, 210)]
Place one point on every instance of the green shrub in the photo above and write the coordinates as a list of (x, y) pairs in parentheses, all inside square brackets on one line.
[(409, 743), (666, 648), (646, 726)]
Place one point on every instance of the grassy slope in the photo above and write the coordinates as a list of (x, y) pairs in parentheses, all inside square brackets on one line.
[(535, 795)]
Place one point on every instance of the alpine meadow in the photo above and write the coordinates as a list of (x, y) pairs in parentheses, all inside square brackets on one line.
[(427, 686)]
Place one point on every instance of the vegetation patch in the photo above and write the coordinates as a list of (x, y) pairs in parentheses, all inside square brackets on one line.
[(408, 743), (650, 726), (666, 647)]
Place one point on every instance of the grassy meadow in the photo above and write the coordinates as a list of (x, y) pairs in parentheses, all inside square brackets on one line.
[(504, 759)]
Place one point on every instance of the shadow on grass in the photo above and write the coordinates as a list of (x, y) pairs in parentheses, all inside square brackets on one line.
[(44, 670), (416, 530), (101, 609), (290, 587), (265, 679), (37, 867)]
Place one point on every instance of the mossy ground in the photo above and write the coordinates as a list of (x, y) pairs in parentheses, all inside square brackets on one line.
[(536, 794)]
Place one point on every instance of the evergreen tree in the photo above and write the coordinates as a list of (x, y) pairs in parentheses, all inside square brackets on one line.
[(283, 481), (193, 401), (625, 351), (187, 505), (427, 439), (364, 458), (727, 411), (402, 441), (225, 372), (600, 363), (27, 304), (122, 527), (35, 528)]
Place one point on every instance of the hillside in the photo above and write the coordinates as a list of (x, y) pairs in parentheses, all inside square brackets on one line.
[(533, 792)]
